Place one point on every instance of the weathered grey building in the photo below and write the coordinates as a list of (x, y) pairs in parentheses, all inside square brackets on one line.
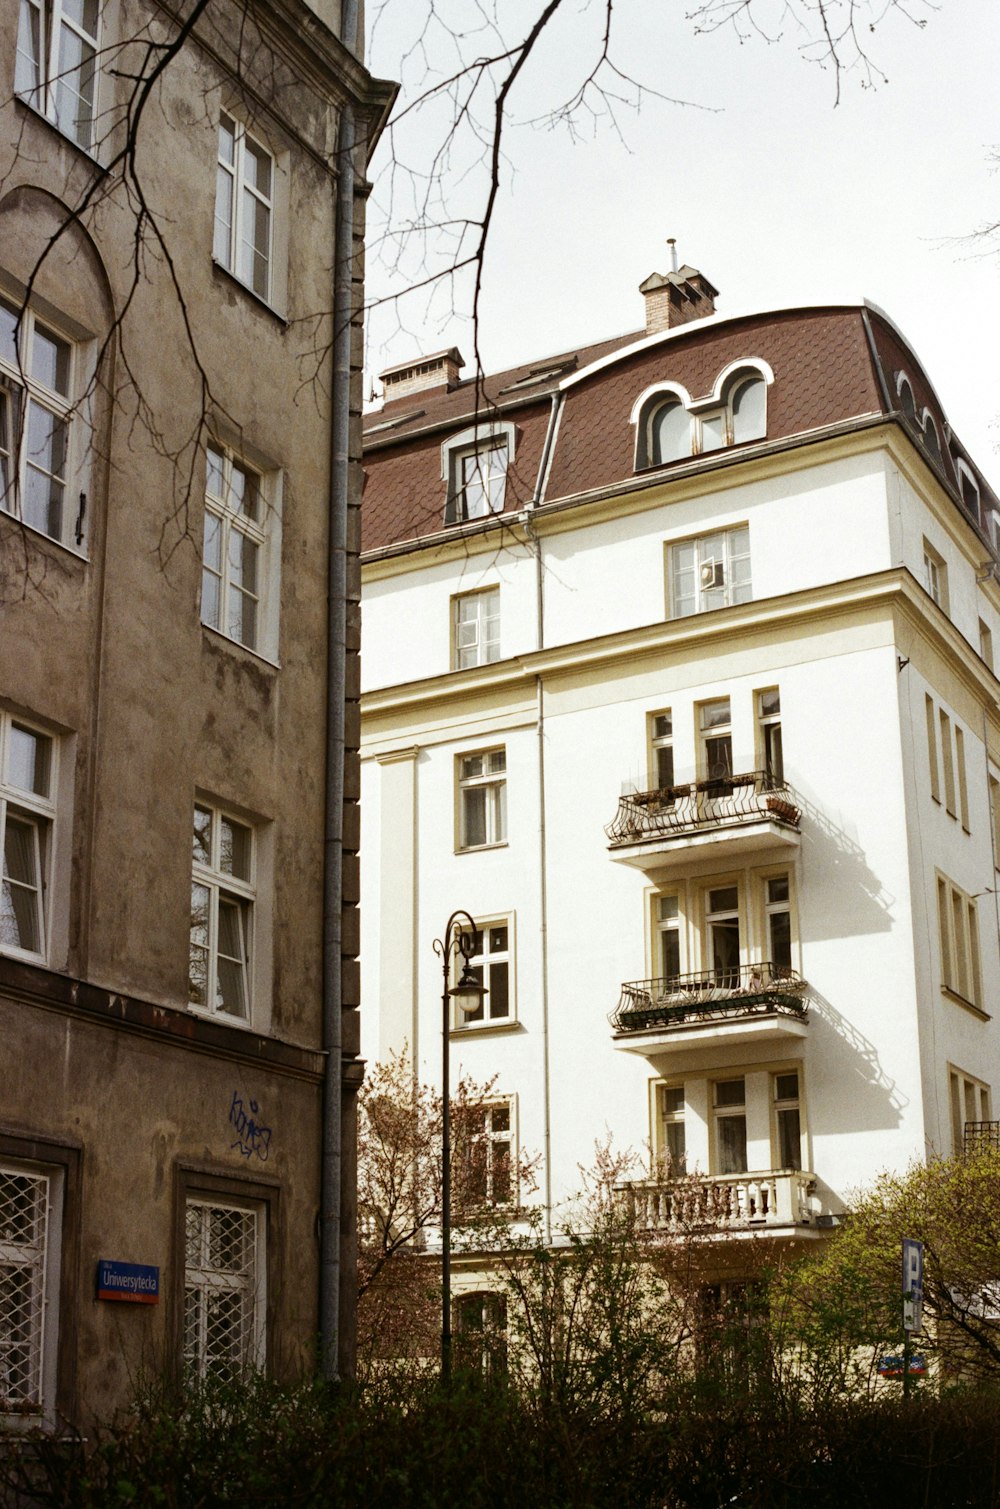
[(179, 432)]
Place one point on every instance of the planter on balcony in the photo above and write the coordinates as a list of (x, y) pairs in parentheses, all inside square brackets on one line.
[(745, 990), (674, 811)]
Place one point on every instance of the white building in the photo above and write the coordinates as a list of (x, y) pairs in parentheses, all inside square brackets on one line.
[(678, 676)]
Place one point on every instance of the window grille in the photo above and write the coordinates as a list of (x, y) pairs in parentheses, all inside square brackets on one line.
[(222, 1329), (24, 1206)]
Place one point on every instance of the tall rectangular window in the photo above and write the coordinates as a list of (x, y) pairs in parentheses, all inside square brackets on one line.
[(669, 933), (730, 1117), (232, 578), (244, 199), (490, 959), (223, 1289), (475, 628), (947, 762), (769, 734), (477, 480), (963, 788), (673, 1144), (222, 901), (487, 1141), (716, 738), (932, 755), (985, 644), (710, 572), (935, 575), (777, 909), (482, 796), (995, 818), (970, 1103), (27, 816), (958, 933), (27, 1289), (722, 934), (663, 750), (787, 1119), (56, 67)]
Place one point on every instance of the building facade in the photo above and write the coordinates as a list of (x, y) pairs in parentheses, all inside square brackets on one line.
[(679, 677), (179, 438)]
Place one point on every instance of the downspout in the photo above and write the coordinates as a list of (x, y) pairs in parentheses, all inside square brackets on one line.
[(331, 1173)]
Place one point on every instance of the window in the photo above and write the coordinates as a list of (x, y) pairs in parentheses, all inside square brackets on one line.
[(947, 762), (480, 1343), (995, 818), (482, 782), (778, 915), (29, 1198), (787, 1121), (670, 426), (233, 562), (968, 487), (905, 392), (769, 731), (222, 898), (946, 759), (958, 936), (669, 932), (56, 68), (478, 481), (730, 1117), (936, 576), (475, 629), (932, 758), (36, 428), (673, 1146), (490, 962), (710, 572), (27, 814), (488, 1164), (986, 644), (970, 1102), (722, 934), (716, 740), (662, 731), (223, 1289), (244, 195), (963, 789), (670, 435)]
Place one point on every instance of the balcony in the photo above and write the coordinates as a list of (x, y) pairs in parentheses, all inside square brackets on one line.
[(740, 1004), (719, 1203), (657, 830)]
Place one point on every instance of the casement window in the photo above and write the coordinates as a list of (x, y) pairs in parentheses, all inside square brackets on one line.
[(244, 206), (729, 1115), (482, 799), (722, 934), (769, 734), (969, 1100), (222, 903), (985, 644), (710, 572), (668, 929), (787, 1135), (37, 427), (478, 481), (672, 1139), (224, 1288), (905, 393), (715, 740), (487, 1141), (946, 761), (30, 1208), (480, 1333), (27, 817), (491, 960), (935, 576), (475, 628), (662, 744), (958, 936), (778, 922), (994, 787), (670, 426), (968, 487), (234, 565), (56, 67)]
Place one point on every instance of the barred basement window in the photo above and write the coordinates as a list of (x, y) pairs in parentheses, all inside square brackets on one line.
[(223, 1289), (24, 1282)]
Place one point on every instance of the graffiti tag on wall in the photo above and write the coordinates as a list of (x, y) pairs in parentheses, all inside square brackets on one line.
[(251, 1136)]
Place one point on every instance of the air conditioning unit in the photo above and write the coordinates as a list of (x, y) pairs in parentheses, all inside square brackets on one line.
[(713, 574)]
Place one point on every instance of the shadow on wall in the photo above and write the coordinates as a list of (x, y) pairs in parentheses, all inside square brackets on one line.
[(854, 899)]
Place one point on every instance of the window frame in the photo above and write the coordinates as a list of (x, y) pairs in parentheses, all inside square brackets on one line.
[(494, 782), (935, 575), (490, 1138), (959, 944), (261, 1216), (228, 235), (486, 647), (44, 91), (769, 736), (491, 1331), (39, 811), (483, 961), (473, 441), (671, 1163), (235, 890), (660, 743), (960, 1084), (733, 593), (262, 532)]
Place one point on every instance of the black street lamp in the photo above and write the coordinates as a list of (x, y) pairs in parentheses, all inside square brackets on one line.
[(468, 992)]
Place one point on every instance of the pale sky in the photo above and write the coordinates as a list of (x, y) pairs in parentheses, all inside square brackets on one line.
[(777, 196)]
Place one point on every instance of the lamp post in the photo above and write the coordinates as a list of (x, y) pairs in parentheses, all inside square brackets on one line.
[(468, 992)]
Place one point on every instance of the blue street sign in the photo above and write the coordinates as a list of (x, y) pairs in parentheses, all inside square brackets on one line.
[(133, 1283)]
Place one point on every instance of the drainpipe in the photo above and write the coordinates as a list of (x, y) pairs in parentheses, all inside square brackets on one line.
[(331, 1173)]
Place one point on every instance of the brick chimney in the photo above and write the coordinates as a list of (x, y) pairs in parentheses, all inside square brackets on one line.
[(676, 297), (440, 370)]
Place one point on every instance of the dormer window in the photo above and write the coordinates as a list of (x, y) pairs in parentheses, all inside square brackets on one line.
[(671, 426), (474, 465)]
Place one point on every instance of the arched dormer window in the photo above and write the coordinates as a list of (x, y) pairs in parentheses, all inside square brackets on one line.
[(671, 426), (905, 394), (748, 405), (669, 432), (932, 444)]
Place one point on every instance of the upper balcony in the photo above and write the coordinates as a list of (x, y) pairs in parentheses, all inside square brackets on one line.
[(726, 1204), (657, 830), (743, 1003)]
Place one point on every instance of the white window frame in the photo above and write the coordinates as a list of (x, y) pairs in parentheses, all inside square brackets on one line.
[(785, 1105), (490, 961), (490, 1137), (479, 1327), (23, 395), (40, 1259), (41, 77), (986, 643), (771, 757), (717, 559), (204, 1280), (732, 1111), (935, 578), (661, 750), (671, 1115), (222, 888), (492, 782), (492, 444), (958, 941), (475, 628), (226, 527), (230, 247), (35, 811), (966, 1093)]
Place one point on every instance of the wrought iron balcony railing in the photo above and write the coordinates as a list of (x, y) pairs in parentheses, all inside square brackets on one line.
[(712, 995), (721, 1202), (672, 811)]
